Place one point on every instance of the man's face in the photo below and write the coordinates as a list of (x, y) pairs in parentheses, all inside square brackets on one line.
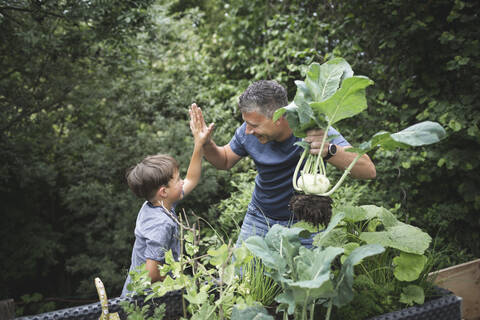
[(260, 126)]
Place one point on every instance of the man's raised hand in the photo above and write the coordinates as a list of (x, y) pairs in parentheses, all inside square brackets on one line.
[(201, 133)]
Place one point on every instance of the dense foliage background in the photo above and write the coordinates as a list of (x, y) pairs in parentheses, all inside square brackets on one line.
[(87, 88)]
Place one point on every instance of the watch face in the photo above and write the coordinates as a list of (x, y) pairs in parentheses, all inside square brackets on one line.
[(332, 149)]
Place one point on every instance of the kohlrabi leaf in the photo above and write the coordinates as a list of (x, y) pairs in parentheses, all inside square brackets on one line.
[(313, 263), (335, 238), (292, 114), (347, 102), (348, 247), (403, 237), (274, 236), (271, 258), (420, 134), (305, 145), (299, 116), (250, 313), (345, 285), (412, 294), (388, 219), (353, 213), (334, 221), (323, 80), (408, 266), (286, 299)]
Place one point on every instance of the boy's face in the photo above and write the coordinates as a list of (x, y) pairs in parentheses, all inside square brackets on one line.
[(175, 187)]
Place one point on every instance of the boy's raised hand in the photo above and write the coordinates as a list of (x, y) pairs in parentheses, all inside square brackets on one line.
[(201, 133)]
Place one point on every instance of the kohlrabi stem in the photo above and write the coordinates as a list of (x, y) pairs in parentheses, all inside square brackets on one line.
[(345, 173), (330, 304), (321, 167), (299, 164), (312, 310)]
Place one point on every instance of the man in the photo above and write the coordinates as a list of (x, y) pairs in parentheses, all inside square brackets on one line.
[(271, 146)]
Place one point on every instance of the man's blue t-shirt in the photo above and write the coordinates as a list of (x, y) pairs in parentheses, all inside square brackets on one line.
[(275, 163), (156, 232)]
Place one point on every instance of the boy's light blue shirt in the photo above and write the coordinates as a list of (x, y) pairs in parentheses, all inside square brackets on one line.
[(156, 232), (275, 163)]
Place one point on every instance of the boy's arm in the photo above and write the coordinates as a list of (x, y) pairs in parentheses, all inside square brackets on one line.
[(222, 158), (194, 169), (201, 133), (153, 272)]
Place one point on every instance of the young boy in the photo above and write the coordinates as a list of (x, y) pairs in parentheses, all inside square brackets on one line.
[(156, 179)]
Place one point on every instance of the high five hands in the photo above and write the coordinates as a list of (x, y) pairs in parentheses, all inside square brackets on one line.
[(201, 133)]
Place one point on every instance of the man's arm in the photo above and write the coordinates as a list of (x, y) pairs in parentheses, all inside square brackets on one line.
[(222, 158), (363, 168), (153, 272)]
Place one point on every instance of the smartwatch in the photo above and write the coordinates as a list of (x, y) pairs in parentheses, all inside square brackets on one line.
[(332, 150)]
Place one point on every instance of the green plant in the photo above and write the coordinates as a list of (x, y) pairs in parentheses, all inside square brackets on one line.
[(135, 312), (305, 274), (331, 93), (403, 266), (255, 282)]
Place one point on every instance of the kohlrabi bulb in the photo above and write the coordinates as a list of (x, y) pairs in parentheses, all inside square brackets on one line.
[(313, 185)]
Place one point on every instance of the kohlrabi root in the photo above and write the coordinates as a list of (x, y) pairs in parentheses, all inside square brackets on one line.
[(312, 208)]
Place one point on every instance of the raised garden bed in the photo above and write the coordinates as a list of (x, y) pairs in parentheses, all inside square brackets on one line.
[(447, 307)]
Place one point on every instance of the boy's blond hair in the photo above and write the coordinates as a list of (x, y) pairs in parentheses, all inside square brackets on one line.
[(153, 172)]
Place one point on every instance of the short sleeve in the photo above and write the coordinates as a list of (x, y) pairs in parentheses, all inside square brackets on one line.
[(338, 140), (158, 239), (238, 140)]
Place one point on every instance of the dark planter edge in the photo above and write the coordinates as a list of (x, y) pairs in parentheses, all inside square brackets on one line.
[(446, 307)]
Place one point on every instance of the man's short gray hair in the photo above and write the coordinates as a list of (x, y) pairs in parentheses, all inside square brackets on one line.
[(264, 97)]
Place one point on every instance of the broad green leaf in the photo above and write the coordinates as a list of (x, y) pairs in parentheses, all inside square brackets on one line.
[(408, 266), (338, 237), (334, 221), (299, 117), (301, 100), (412, 294), (403, 237), (196, 298), (311, 264), (347, 102), (274, 236), (242, 255), (324, 80), (250, 313), (308, 291), (229, 274), (205, 312), (306, 225), (420, 134), (291, 114), (349, 247), (305, 145), (190, 249), (287, 299), (353, 213), (270, 257), (345, 285), (218, 256), (388, 219)]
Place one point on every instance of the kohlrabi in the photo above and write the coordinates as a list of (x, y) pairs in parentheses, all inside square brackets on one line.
[(331, 93)]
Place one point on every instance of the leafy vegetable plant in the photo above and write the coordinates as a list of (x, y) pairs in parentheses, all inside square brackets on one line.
[(329, 94), (306, 275)]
